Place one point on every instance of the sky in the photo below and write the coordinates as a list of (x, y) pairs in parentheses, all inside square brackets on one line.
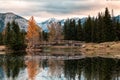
[(59, 9)]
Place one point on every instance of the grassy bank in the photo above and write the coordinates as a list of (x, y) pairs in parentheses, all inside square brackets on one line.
[(106, 49)]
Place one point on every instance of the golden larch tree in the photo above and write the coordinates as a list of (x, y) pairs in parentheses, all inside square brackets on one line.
[(33, 32)]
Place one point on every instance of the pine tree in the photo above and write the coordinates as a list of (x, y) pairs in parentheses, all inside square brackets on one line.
[(13, 38), (22, 34), (79, 31), (93, 30), (45, 36), (87, 29), (100, 37), (109, 30), (100, 29), (16, 41), (73, 31), (117, 30), (66, 30)]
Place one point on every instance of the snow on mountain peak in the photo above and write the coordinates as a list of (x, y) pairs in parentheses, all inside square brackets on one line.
[(23, 23), (9, 17), (52, 20)]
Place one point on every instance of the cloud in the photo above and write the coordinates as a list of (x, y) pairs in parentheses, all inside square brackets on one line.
[(64, 6), (57, 8)]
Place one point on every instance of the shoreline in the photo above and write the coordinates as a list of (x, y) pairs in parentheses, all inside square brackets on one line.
[(105, 49)]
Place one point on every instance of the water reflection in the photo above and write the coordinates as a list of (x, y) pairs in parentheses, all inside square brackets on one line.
[(55, 68), (93, 69), (32, 67), (10, 66)]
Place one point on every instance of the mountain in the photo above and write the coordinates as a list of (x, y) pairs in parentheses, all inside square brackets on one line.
[(23, 23), (52, 20), (44, 24), (117, 18), (9, 17)]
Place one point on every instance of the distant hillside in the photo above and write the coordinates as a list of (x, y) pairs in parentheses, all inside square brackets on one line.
[(117, 18), (9, 17)]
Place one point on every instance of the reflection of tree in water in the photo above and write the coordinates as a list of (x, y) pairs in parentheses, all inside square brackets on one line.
[(55, 67), (93, 69), (12, 65), (72, 68), (32, 69), (89, 68), (33, 66)]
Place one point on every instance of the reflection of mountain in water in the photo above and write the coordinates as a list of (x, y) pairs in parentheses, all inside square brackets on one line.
[(35, 68)]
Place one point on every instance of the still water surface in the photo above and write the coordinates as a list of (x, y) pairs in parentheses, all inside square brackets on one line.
[(27, 67)]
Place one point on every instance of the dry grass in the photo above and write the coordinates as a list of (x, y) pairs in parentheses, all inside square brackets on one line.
[(106, 48)]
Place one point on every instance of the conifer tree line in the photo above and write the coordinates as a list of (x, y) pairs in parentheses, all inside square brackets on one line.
[(102, 28), (13, 37)]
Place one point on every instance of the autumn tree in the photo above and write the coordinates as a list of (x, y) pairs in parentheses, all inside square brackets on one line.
[(55, 31), (58, 31), (33, 33), (52, 31)]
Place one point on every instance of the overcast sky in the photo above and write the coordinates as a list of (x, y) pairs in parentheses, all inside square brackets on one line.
[(45, 9)]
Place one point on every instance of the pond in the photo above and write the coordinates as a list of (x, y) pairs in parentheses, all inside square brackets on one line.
[(35, 67)]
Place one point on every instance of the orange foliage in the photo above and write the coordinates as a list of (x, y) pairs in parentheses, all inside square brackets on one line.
[(32, 68), (33, 30)]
